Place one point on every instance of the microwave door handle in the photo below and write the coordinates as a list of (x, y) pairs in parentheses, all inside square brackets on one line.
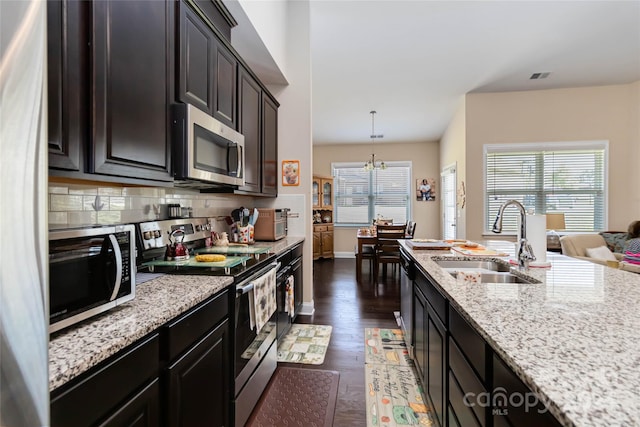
[(118, 254), (239, 156)]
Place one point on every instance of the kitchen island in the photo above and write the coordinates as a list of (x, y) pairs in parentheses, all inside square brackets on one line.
[(573, 339)]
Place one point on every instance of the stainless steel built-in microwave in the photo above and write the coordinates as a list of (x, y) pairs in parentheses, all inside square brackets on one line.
[(206, 153), (91, 270)]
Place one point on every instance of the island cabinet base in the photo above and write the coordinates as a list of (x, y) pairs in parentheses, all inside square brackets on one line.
[(515, 404), (465, 382)]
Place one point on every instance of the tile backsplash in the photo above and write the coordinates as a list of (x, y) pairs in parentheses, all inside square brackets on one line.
[(87, 204)]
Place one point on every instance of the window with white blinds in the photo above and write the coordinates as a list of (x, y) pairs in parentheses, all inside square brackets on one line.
[(360, 196), (569, 178)]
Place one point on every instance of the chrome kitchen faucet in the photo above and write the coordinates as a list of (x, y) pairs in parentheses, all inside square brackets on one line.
[(525, 252)]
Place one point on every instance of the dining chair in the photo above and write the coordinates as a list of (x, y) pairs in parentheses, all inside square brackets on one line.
[(411, 228), (387, 247)]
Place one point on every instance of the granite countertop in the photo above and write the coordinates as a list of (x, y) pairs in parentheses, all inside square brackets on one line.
[(574, 338), (157, 301)]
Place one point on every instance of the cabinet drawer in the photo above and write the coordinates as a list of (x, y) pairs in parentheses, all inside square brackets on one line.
[(463, 413), (468, 382), (317, 228), (469, 341), (181, 333), (97, 394), (435, 298), (297, 251), (285, 258)]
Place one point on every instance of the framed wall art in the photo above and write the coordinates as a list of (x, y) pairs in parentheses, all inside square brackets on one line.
[(426, 189), (290, 172)]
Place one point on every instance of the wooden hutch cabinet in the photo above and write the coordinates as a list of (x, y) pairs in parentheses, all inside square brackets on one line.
[(322, 195)]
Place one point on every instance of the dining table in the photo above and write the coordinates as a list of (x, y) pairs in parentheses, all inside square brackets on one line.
[(366, 237)]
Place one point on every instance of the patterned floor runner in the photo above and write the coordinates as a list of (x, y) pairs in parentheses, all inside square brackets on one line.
[(386, 346), (394, 394), (305, 344)]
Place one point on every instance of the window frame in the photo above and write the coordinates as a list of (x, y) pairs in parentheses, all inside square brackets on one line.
[(371, 191), (542, 147)]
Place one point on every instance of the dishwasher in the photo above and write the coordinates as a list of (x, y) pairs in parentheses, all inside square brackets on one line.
[(407, 276)]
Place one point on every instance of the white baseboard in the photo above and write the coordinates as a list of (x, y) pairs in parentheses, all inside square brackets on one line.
[(344, 254), (307, 309)]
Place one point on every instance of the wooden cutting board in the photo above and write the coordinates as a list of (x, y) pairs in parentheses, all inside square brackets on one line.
[(429, 244)]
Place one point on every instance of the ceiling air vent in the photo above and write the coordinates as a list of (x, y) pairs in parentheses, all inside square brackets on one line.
[(538, 76)]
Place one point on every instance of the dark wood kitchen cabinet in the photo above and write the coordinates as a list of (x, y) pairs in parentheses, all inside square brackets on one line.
[(430, 337), (110, 83), (296, 271), (527, 411), (196, 47), (270, 170), (198, 378), (250, 109), (132, 83), (207, 69), (258, 122), (468, 381), (122, 391), (67, 64), (198, 382)]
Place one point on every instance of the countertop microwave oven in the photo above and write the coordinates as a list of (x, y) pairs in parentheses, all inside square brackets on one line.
[(271, 224), (91, 270), (206, 152)]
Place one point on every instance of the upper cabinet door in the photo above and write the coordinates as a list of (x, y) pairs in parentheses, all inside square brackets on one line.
[(315, 192), (67, 90), (224, 86), (197, 46), (249, 95), (327, 193), (132, 83), (270, 146)]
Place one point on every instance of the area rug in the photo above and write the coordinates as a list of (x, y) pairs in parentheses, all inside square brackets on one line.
[(394, 397), (305, 344), (297, 397), (386, 346)]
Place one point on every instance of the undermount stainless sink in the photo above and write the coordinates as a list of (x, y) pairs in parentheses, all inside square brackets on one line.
[(491, 271), (472, 265), (500, 278)]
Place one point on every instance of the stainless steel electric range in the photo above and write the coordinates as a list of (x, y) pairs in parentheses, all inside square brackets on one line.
[(255, 349)]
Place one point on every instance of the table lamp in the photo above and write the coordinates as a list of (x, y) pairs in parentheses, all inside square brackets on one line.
[(555, 222)]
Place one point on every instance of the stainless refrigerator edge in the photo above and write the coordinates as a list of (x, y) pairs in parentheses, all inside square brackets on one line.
[(24, 378)]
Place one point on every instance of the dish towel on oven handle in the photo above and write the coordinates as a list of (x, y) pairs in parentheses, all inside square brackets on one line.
[(264, 298), (289, 305)]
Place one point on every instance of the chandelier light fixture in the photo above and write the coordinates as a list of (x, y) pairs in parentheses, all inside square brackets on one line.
[(371, 163)]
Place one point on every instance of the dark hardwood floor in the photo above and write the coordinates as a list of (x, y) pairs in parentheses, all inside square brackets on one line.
[(350, 307)]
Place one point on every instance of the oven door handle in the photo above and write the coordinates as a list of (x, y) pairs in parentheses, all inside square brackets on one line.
[(241, 290), (247, 285)]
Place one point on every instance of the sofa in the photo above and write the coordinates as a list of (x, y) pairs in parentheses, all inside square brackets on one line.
[(578, 246)]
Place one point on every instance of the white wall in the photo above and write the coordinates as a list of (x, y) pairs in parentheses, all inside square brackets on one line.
[(452, 151), (284, 29), (577, 114)]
